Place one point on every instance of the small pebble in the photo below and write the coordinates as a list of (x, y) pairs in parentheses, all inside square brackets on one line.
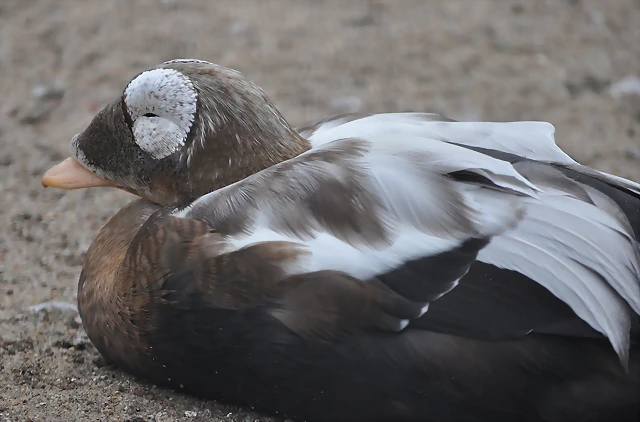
[(35, 113), (81, 340), (100, 362), (46, 92), (6, 160), (629, 85)]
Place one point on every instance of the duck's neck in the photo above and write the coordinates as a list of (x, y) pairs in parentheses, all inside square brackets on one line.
[(235, 156), (219, 158)]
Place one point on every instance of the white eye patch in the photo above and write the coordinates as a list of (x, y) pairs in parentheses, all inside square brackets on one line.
[(162, 105), (157, 136)]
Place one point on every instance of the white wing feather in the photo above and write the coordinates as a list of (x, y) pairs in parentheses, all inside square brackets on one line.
[(580, 254), (534, 140)]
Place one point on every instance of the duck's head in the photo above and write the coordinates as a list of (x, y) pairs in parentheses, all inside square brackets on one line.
[(177, 132)]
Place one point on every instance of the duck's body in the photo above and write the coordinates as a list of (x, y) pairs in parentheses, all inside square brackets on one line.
[(383, 267)]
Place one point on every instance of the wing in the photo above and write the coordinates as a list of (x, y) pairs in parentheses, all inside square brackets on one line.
[(362, 208), (407, 202)]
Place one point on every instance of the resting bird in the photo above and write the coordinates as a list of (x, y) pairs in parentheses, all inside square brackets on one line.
[(380, 267)]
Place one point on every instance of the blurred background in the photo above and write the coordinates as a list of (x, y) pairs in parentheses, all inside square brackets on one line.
[(574, 63)]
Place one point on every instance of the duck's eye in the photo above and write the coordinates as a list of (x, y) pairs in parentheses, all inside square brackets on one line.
[(150, 115)]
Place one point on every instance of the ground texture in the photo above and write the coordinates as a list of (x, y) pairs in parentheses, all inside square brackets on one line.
[(562, 61)]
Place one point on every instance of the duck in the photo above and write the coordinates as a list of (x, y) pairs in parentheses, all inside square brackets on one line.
[(367, 267)]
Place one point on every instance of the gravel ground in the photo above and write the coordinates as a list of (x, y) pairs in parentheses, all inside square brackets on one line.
[(568, 62)]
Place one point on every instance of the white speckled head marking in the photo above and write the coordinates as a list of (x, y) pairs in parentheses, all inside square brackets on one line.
[(162, 106)]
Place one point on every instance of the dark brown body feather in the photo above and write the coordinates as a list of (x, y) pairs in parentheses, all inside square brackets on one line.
[(159, 301)]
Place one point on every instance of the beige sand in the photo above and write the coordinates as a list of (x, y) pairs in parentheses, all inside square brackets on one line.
[(61, 60)]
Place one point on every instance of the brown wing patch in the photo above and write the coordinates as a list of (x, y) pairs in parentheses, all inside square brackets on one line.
[(174, 258), (327, 304), (245, 277), (336, 196), (326, 190)]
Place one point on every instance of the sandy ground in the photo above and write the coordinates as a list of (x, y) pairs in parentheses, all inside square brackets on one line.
[(60, 61)]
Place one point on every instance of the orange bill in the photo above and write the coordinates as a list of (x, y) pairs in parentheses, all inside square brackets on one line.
[(70, 174)]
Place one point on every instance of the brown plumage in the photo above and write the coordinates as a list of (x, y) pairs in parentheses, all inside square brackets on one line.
[(354, 270)]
